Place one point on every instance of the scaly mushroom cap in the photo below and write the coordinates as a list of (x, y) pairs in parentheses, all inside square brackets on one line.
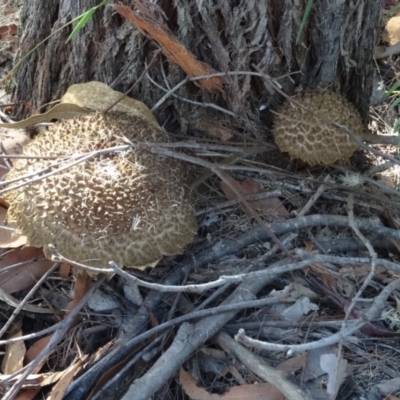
[(308, 136), (131, 207)]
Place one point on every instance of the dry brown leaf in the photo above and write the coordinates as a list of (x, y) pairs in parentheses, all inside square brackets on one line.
[(308, 247), (83, 282), (13, 359), (293, 364), (36, 348), (12, 144), (260, 391), (8, 237), (147, 24), (8, 30), (64, 270), (328, 279), (391, 34), (14, 141), (30, 355), (65, 379), (214, 130), (26, 275), (28, 394), (269, 206), (231, 369), (37, 381), (358, 274)]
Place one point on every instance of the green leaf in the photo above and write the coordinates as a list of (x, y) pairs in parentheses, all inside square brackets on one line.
[(395, 103), (304, 19), (393, 88), (396, 127), (393, 9)]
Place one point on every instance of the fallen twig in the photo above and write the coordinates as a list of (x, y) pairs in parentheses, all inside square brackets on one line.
[(351, 327), (55, 339), (261, 368), (21, 305), (372, 252)]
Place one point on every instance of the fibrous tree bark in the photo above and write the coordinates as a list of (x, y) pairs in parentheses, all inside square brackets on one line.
[(334, 49)]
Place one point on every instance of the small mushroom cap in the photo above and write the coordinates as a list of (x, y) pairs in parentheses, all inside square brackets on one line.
[(308, 136), (131, 207)]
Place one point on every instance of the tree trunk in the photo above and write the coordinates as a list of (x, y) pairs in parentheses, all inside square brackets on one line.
[(335, 49)]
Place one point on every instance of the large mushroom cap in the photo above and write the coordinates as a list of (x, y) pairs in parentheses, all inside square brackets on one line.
[(308, 136), (131, 207)]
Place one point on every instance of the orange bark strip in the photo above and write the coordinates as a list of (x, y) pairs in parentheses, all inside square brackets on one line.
[(171, 47)]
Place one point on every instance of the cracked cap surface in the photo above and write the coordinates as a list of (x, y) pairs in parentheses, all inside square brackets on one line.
[(307, 135), (131, 207)]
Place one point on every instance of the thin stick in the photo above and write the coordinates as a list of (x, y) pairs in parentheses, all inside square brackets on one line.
[(20, 264), (152, 62), (224, 279), (234, 202), (54, 340), (103, 391), (26, 298), (44, 176), (5, 117), (351, 328), (31, 336), (198, 78), (196, 103), (372, 252), (261, 368), (312, 200)]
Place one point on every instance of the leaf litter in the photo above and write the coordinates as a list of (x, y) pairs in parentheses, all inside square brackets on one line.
[(311, 302)]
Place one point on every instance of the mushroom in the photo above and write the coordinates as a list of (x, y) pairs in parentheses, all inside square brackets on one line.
[(130, 206), (305, 132)]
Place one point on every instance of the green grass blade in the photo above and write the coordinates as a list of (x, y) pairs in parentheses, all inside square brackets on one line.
[(304, 19), (82, 22), (84, 19), (395, 103), (396, 126), (393, 88)]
